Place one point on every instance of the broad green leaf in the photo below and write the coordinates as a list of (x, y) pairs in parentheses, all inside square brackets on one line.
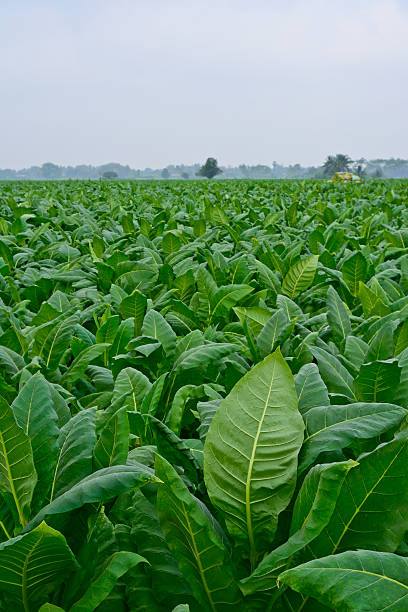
[(156, 326), (333, 428), (108, 330), (200, 553), (175, 414), (34, 412), (11, 361), (354, 581), (257, 316), (356, 350), (225, 298), (377, 381), (125, 333), (310, 388), (151, 400), (402, 339), (250, 453), (206, 411), (337, 378), (203, 355), (372, 304), (300, 276), (134, 306), (17, 473), (273, 332), (168, 582), (337, 316), (113, 444), (78, 366), (33, 565), (75, 447), (52, 340), (168, 444), (171, 243), (7, 255), (313, 509), (382, 345), (119, 563), (372, 505), (289, 307), (354, 270), (101, 486), (132, 384)]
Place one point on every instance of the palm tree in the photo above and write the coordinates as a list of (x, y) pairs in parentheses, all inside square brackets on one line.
[(336, 163)]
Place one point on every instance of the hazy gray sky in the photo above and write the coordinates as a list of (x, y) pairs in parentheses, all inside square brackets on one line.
[(153, 82)]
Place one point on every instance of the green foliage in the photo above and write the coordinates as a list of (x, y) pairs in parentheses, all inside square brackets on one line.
[(204, 393), (209, 169)]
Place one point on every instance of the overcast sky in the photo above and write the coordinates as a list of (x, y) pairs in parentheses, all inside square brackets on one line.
[(154, 82)]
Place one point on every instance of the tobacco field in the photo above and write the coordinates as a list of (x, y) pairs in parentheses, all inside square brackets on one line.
[(204, 396)]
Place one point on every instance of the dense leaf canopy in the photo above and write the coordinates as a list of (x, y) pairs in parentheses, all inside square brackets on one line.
[(203, 396)]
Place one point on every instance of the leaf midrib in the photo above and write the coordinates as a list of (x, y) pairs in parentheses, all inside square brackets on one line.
[(251, 464)]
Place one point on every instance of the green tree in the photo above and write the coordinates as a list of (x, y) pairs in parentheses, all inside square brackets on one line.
[(110, 174), (51, 171), (336, 163), (165, 173), (209, 169)]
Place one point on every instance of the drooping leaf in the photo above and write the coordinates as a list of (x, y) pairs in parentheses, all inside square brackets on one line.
[(101, 486), (78, 366), (52, 340), (333, 428), (118, 564), (353, 581), (201, 554)]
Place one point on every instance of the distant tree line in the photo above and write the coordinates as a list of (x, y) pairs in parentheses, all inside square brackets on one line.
[(387, 168)]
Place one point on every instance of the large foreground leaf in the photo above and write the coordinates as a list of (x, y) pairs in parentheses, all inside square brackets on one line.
[(373, 504), (354, 581), (200, 553), (33, 564), (250, 454), (17, 473), (34, 411), (313, 509)]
